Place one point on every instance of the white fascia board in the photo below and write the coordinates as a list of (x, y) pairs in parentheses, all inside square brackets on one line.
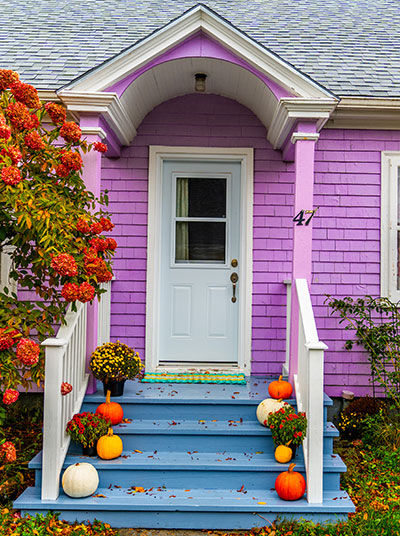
[(102, 103), (290, 110), (200, 18)]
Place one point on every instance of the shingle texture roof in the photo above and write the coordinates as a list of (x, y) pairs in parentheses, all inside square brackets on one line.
[(351, 47)]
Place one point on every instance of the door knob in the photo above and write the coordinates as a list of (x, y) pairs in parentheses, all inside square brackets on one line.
[(234, 279)]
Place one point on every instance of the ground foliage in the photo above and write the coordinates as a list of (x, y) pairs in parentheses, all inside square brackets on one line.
[(14, 525), (22, 426)]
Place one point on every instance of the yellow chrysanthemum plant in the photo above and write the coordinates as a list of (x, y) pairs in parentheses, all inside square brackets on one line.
[(113, 363)]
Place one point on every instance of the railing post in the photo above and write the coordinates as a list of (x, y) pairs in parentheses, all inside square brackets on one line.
[(52, 422), (285, 366), (315, 421)]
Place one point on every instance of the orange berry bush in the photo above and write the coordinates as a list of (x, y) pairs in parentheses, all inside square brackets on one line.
[(53, 223)]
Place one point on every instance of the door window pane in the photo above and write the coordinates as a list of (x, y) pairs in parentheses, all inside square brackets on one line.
[(200, 242), (200, 198)]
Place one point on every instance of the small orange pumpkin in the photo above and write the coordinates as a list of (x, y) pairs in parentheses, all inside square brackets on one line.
[(280, 389), (111, 411), (283, 453), (109, 446), (290, 485)]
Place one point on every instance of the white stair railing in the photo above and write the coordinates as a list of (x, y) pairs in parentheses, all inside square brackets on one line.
[(309, 384), (65, 360)]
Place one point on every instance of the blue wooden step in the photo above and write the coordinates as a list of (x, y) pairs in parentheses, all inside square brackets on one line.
[(194, 446), (203, 435), (190, 401), (196, 469), (188, 508)]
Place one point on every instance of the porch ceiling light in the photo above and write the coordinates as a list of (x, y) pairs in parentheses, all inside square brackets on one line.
[(200, 82)]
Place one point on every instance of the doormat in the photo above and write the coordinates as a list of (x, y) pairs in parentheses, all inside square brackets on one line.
[(167, 377)]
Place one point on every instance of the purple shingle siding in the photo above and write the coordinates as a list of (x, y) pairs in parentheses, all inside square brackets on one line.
[(346, 234)]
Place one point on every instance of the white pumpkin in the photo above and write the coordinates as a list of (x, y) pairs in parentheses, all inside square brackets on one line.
[(267, 406), (80, 480)]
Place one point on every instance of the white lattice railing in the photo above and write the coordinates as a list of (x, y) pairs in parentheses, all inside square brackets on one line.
[(309, 384), (65, 362)]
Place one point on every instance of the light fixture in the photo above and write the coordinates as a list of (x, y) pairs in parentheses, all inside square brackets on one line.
[(200, 82)]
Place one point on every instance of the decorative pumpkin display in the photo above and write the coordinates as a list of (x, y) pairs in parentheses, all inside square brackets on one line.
[(290, 485), (111, 411), (280, 389), (109, 446), (267, 406), (283, 453), (80, 480)]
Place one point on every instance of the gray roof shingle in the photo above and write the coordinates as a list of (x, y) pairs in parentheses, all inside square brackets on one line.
[(351, 47)]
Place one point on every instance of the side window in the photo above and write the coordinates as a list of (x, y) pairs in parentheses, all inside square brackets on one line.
[(390, 226), (5, 267)]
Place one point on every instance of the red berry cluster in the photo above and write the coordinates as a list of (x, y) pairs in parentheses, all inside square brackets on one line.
[(10, 396), (26, 94), (66, 388), (64, 264), (34, 141), (57, 113), (8, 452), (70, 132), (7, 338), (11, 175), (28, 352), (13, 153), (100, 147)]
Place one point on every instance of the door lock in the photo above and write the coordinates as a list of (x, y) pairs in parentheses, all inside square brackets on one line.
[(234, 279), (234, 263)]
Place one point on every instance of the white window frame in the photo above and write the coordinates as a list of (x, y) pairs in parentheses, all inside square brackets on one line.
[(5, 267), (390, 164)]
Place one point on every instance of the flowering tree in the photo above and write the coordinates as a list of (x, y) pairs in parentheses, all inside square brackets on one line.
[(52, 221)]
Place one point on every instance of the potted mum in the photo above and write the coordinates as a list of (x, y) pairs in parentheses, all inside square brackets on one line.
[(288, 427), (85, 429), (113, 363)]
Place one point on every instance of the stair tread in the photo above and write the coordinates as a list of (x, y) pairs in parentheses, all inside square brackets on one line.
[(209, 500), (135, 392), (203, 427), (211, 461)]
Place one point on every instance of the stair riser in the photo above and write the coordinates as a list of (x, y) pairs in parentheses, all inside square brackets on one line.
[(189, 411), (187, 520), (203, 443), (198, 479)]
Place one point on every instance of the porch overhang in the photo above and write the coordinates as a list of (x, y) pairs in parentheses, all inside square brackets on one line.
[(127, 87)]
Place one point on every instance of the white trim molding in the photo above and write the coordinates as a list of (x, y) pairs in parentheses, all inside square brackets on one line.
[(292, 109), (5, 267), (390, 225), (101, 103), (366, 113), (157, 155), (94, 131), (311, 136), (194, 20)]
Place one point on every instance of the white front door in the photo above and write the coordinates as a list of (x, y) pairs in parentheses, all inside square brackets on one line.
[(200, 248)]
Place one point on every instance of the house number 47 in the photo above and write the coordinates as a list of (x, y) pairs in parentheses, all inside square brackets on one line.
[(304, 216)]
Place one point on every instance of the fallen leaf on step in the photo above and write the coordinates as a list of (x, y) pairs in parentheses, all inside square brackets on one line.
[(241, 489), (99, 495), (261, 502), (139, 451)]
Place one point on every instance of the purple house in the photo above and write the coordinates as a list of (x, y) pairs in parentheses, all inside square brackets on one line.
[(252, 168)]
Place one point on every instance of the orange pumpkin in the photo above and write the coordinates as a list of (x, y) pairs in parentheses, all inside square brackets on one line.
[(109, 446), (290, 485), (280, 389), (111, 411)]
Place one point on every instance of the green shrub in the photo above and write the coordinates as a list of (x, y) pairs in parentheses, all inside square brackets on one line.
[(352, 418)]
